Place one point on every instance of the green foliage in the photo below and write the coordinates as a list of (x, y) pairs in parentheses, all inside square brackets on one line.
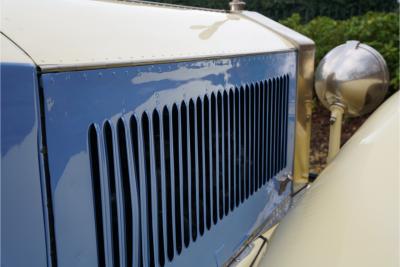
[(379, 30), (308, 9)]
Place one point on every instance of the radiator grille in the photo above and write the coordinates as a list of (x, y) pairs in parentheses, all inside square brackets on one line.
[(192, 162)]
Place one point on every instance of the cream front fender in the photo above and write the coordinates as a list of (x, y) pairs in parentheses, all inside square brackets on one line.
[(350, 215)]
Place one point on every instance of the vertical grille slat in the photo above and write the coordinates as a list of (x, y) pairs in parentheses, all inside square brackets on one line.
[(185, 110), (185, 174), (156, 168), (279, 133), (179, 139), (247, 142), (286, 108), (164, 187), (220, 157), (168, 183), (279, 149), (213, 159), (282, 160), (262, 135), (265, 135), (193, 166), (242, 145), (282, 130), (108, 137), (237, 148), (277, 128), (97, 198), (231, 134), (276, 113), (127, 223), (136, 182), (256, 134), (207, 160), (200, 184), (106, 196), (175, 139), (271, 128), (162, 178), (148, 187), (252, 136), (276, 154), (225, 138), (145, 250)]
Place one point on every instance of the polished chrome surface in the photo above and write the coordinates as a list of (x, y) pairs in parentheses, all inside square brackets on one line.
[(353, 75), (236, 5), (305, 77)]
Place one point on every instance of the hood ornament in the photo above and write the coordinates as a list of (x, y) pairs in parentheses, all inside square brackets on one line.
[(236, 5)]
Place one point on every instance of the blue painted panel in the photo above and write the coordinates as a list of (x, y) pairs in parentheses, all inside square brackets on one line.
[(75, 100), (23, 241)]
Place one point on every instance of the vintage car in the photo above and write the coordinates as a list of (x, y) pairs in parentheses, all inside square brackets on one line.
[(144, 134)]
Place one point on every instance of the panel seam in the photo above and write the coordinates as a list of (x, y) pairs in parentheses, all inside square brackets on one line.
[(47, 201)]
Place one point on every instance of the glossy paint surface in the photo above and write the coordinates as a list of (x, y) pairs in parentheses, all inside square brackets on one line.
[(103, 33), (75, 100), (23, 241), (350, 215)]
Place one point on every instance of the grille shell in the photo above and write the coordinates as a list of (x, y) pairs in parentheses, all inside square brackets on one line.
[(165, 139), (145, 136)]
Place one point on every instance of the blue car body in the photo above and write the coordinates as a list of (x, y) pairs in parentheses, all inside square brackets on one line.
[(181, 163)]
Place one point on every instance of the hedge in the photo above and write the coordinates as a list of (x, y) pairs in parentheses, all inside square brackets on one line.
[(379, 30), (309, 9)]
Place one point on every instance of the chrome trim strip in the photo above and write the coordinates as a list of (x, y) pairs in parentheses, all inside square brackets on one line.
[(102, 65), (305, 78)]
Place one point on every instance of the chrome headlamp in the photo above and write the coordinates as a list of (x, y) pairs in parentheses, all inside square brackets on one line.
[(352, 78), (353, 75)]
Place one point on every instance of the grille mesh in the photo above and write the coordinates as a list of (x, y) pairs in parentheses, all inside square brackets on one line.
[(193, 163)]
